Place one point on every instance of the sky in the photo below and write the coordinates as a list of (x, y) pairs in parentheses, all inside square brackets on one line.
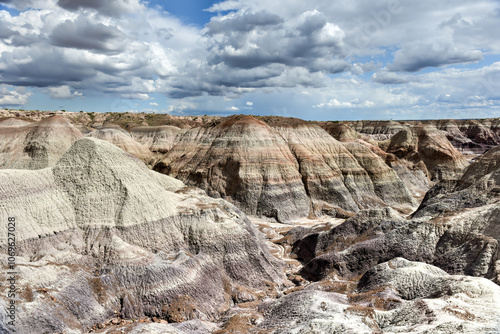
[(315, 59)]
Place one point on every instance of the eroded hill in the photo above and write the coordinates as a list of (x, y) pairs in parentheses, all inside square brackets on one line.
[(390, 227)]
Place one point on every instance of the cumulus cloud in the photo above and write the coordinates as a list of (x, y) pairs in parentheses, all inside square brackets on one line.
[(432, 52), (308, 41), (242, 22), (13, 97), (25, 4), (463, 85), (390, 78), (179, 108), (5, 31), (108, 7), (226, 6), (63, 93), (136, 96), (334, 103), (82, 34), (90, 52)]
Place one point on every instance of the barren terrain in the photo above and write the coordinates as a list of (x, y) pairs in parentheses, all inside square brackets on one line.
[(151, 223)]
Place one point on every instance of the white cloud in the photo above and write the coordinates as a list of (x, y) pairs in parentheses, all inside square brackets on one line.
[(136, 96), (249, 103), (25, 4), (153, 104), (63, 93), (432, 52), (334, 103), (13, 97), (180, 107), (108, 7)]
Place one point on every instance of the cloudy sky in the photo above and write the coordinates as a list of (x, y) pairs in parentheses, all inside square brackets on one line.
[(315, 59)]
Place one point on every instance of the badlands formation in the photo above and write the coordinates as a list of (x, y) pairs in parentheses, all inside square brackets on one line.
[(137, 223)]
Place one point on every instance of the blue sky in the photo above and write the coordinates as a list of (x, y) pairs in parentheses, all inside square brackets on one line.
[(190, 12), (324, 60)]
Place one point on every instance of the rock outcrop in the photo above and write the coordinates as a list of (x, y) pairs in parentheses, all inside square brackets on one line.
[(471, 137), (312, 311), (466, 244), (100, 235), (341, 131), (427, 299), (378, 130), (478, 186), (398, 296)]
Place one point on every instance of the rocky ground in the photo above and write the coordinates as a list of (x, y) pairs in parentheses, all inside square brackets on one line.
[(137, 223)]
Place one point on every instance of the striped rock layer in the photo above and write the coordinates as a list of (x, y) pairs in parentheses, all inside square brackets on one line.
[(159, 139), (284, 171)]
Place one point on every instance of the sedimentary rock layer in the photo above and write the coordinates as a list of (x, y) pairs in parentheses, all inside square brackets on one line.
[(347, 175), (243, 160), (468, 136), (159, 139), (428, 145), (285, 171)]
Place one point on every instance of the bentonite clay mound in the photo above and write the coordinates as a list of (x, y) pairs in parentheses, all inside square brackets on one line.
[(159, 139), (242, 160), (471, 136), (292, 169), (37, 145), (477, 187), (104, 237), (468, 136), (430, 146), (347, 175), (123, 140)]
